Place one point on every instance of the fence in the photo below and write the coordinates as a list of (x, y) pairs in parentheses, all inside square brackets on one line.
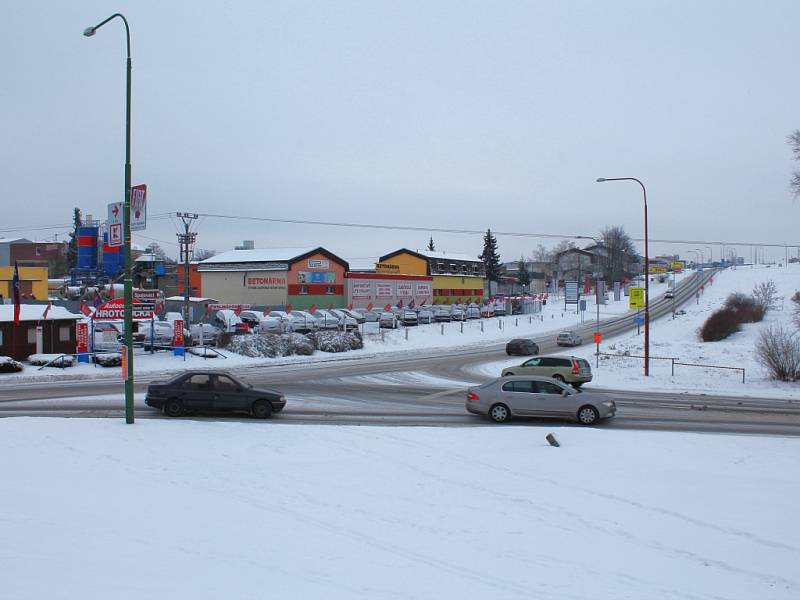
[(674, 360)]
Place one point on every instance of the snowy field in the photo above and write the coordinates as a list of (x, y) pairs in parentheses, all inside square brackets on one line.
[(95, 509), (679, 338), (497, 330)]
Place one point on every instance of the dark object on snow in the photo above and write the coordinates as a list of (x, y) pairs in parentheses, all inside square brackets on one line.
[(9, 365), (551, 439)]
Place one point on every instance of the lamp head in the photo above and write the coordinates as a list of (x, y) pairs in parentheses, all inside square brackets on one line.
[(601, 179), (89, 31)]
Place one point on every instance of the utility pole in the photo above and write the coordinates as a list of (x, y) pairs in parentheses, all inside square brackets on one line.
[(186, 241)]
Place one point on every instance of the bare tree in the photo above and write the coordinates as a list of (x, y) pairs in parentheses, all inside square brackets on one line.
[(765, 294), (620, 253), (793, 140), (778, 351), (202, 254), (541, 254)]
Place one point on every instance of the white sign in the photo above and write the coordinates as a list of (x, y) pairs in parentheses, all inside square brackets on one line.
[(424, 290), (405, 289), (383, 290), (318, 263), (570, 292), (361, 290), (138, 207), (115, 213), (115, 234)]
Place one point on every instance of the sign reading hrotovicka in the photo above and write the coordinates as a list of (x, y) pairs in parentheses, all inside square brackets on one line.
[(114, 310)]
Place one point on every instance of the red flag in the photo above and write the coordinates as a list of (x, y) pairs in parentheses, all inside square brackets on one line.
[(47, 310), (411, 304), (238, 310), (267, 310), (400, 303), (15, 293), (350, 306), (288, 308), (313, 309), (85, 308), (387, 308), (369, 306), (208, 311), (110, 290), (159, 307)]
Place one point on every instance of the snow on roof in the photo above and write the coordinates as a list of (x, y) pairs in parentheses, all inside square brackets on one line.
[(258, 255), (149, 258), (5, 240), (34, 312), (448, 256), (362, 264)]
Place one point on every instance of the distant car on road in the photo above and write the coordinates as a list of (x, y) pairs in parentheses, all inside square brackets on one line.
[(522, 347), (568, 338), (527, 396), (212, 391), (669, 294), (569, 369)]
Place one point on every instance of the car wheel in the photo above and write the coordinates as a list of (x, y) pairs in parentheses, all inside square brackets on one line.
[(499, 413), (173, 408), (261, 409), (587, 415), (558, 377)]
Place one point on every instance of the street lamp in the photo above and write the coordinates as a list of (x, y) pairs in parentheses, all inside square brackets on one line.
[(646, 273), (126, 223), (702, 257), (710, 256), (698, 268)]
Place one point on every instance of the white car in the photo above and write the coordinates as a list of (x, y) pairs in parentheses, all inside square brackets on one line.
[(345, 318), (271, 323), (568, 338), (388, 320)]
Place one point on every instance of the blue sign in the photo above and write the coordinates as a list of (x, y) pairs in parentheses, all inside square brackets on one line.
[(638, 320)]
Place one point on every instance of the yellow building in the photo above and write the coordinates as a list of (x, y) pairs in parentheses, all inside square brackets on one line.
[(32, 282), (457, 278)]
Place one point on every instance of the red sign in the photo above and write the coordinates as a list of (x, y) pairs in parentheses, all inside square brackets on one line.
[(598, 337), (387, 308), (114, 310), (312, 309), (288, 308), (369, 307), (177, 334), (239, 307), (82, 336), (124, 352)]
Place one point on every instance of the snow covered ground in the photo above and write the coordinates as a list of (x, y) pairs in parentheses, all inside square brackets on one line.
[(95, 509), (679, 338)]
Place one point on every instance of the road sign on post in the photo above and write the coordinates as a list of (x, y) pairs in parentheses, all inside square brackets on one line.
[(138, 207), (636, 298), (114, 224)]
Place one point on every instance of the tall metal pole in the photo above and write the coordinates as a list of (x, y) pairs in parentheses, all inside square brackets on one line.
[(126, 223), (186, 240), (646, 272)]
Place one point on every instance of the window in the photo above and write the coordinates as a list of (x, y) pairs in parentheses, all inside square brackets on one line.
[(225, 384), (463, 268), (440, 266), (534, 362), (198, 382), (304, 289), (329, 290), (31, 335), (64, 333), (547, 387), (38, 251), (453, 268), (1, 337), (548, 362), (519, 386)]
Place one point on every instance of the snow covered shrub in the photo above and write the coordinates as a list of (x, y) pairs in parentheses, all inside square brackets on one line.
[(299, 344), (270, 345), (9, 365), (52, 360), (778, 351), (336, 341), (108, 359), (765, 294), (719, 325), (746, 307)]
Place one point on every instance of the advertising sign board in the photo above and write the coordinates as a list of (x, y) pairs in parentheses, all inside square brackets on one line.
[(678, 265), (265, 282), (405, 289), (361, 290), (138, 207), (319, 263), (424, 290), (636, 299), (570, 292), (177, 333), (114, 310), (384, 290), (82, 336)]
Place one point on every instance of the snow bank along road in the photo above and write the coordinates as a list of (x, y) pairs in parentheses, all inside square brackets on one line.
[(425, 388)]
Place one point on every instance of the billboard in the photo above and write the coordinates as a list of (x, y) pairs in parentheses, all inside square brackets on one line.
[(361, 290), (636, 298), (570, 292)]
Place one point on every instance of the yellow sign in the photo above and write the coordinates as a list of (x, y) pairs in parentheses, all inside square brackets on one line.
[(678, 265), (636, 299), (387, 268), (658, 269)]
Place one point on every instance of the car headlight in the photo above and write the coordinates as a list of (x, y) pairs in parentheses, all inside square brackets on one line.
[(609, 404)]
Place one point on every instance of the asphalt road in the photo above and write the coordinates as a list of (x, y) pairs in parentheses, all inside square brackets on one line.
[(426, 389)]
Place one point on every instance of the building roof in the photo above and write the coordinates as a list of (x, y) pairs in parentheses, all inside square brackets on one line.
[(191, 299), (428, 255), (268, 255), (34, 312), (4, 240)]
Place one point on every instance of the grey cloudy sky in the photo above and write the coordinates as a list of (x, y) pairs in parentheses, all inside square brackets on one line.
[(445, 114)]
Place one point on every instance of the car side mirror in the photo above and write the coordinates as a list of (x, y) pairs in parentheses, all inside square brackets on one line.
[(564, 393)]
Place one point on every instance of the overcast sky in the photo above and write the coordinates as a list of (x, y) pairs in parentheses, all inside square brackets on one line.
[(461, 115)]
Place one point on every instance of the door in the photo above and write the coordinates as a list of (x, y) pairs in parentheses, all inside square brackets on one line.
[(197, 392), (520, 396), (229, 395), (550, 398)]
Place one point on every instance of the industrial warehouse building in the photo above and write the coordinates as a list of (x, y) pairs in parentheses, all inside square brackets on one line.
[(275, 277), (455, 278)]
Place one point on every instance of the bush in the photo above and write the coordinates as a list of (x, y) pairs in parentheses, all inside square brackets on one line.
[(719, 325), (9, 365), (778, 351), (746, 307), (270, 345), (58, 361), (336, 341), (765, 294), (108, 359)]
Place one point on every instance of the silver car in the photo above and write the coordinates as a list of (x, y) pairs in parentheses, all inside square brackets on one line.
[(527, 396), (568, 338)]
